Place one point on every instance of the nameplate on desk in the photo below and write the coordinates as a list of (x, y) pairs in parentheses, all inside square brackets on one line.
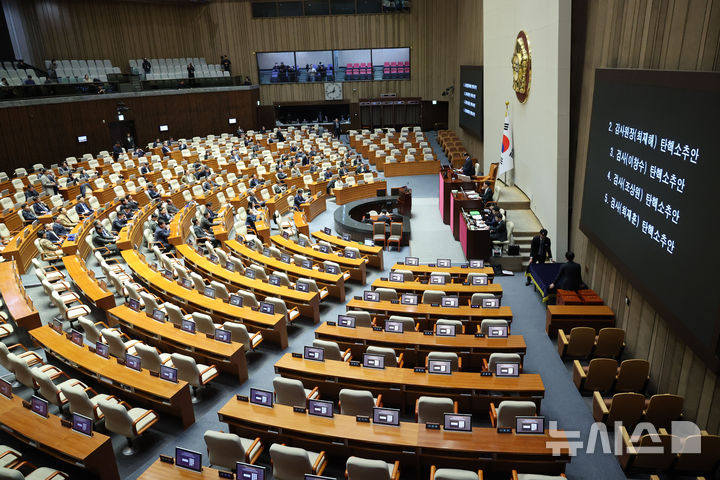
[(92, 349), (120, 361), (504, 430), (384, 279), (299, 409), (167, 459), (431, 264), (26, 404), (332, 324), (486, 374), (479, 335), (209, 335), (296, 355), (475, 306), (432, 426), (242, 398), (419, 369), (377, 329), (401, 263), (362, 419), (395, 302), (424, 282), (66, 423), (358, 297), (434, 304), (466, 283), (464, 266), (154, 374), (225, 474), (175, 325), (429, 333), (354, 363), (71, 237)]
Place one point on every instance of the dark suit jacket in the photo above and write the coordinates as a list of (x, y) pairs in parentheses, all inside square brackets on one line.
[(500, 232), (569, 277), (487, 195), (535, 249), (29, 216), (468, 168), (59, 229), (50, 235)]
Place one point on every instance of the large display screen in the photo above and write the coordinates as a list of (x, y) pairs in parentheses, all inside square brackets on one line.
[(470, 106), (649, 199)]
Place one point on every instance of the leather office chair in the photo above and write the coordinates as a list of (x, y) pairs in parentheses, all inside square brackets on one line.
[(204, 323), (79, 401), (622, 407), (312, 287), (486, 324), (358, 468), (23, 373), (248, 299), (221, 290), (408, 323), (504, 415), (42, 473), (332, 350), (489, 365), (454, 474), (459, 326), (283, 278), (407, 274), (661, 410), (433, 409), (446, 275), (292, 463), (433, 296), (289, 391), (151, 358), (259, 272), (391, 358), (455, 361), (578, 344), (358, 402), (280, 307), (477, 298), (117, 347), (150, 302), (226, 449), (387, 294), (598, 375), (8, 456), (128, 422), (633, 375), (362, 318), (49, 390), (175, 314), (196, 374), (29, 357), (239, 333)]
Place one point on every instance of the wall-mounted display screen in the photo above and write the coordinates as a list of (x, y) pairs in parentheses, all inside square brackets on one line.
[(470, 100)]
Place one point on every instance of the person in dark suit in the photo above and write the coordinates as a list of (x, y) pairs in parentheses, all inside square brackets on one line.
[(298, 200), (41, 208), (570, 275), (253, 202), (119, 223), (250, 219), (161, 235), (539, 251), (51, 235), (27, 214), (487, 193), (468, 168), (336, 128), (165, 149), (342, 171), (101, 238), (83, 210), (146, 66), (500, 230), (144, 170), (59, 229), (117, 150), (152, 193), (208, 209), (31, 193)]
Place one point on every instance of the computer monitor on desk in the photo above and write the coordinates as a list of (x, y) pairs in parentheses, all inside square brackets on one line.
[(529, 425), (503, 369), (458, 422), (188, 459), (82, 424), (314, 353), (261, 397), (386, 416), (373, 361), (320, 408), (445, 330), (346, 321), (245, 471), (450, 302), (409, 299), (443, 367), (500, 331)]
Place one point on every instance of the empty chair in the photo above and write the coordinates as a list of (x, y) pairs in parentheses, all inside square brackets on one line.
[(662, 409), (358, 468), (91, 330), (578, 344), (378, 231), (362, 318), (658, 454), (452, 357), (332, 350), (490, 364), (391, 358), (312, 287), (29, 357), (407, 275), (129, 423), (477, 298), (454, 474), (433, 296), (396, 232), (8, 456), (292, 463), (609, 343), (408, 323), (259, 271), (433, 409), (175, 314), (198, 282), (289, 391), (622, 407), (23, 373), (633, 375), (533, 476), (204, 323), (71, 313), (240, 334), (358, 402), (387, 294), (503, 416), (117, 347), (704, 461), (150, 302), (446, 275), (80, 402), (226, 449), (196, 374), (221, 291), (280, 307), (488, 323), (248, 298), (42, 473), (151, 358), (598, 375), (283, 278), (459, 326), (49, 390)]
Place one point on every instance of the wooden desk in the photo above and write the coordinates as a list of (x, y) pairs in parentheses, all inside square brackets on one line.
[(273, 327), (308, 303), (446, 186), (356, 192), (463, 291), (398, 169), (95, 454), (475, 242), (71, 192), (458, 201), (96, 292), (21, 247), (416, 345), (318, 186), (18, 303), (279, 203), (314, 206), (227, 357), (334, 283), (423, 271), (357, 266), (165, 471), (400, 387), (426, 314), (374, 253), (568, 317), (12, 219), (411, 443), (130, 385)]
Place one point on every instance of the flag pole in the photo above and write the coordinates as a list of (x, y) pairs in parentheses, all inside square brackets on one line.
[(507, 104)]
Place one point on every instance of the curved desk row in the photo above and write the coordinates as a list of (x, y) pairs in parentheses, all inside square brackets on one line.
[(460, 289), (374, 253)]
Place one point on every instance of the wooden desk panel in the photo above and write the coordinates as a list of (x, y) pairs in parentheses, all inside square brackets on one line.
[(357, 192), (21, 247), (12, 219), (416, 345), (425, 270), (568, 317), (131, 385), (165, 471), (315, 206), (400, 387), (357, 266), (411, 443), (18, 303), (374, 254), (70, 193), (95, 454), (95, 291), (227, 357), (273, 327), (398, 169), (463, 291)]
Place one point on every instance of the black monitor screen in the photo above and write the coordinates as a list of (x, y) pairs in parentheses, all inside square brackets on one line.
[(396, 277), (386, 416), (133, 362), (236, 300), (222, 335), (346, 237), (327, 231), (350, 254), (332, 269), (443, 262), (371, 296), (134, 304), (320, 408), (458, 422), (188, 459), (261, 397), (168, 373), (268, 308), (480, 280), (314, 353), (102, 349), (307, 264), (470, 106), (158, 315), (187, 326), (500, 331), (274, 280), (245, 471), (285, 258), (477, 263), (39, 406), (651, 168), (437, 279), (82, 424), (250, 273), (230, 266), (507, 369), (324, 248), (5, 388), (76, 337), (346, 321), (302, 287), (209, 292), (491, 302), (530, 425)]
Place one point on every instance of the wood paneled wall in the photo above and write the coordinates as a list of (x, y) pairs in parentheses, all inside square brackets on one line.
[(120, 31), (48, 133), (648, 34)]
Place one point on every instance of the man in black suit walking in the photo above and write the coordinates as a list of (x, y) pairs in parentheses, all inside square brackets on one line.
[(539, 251), (570, 275)]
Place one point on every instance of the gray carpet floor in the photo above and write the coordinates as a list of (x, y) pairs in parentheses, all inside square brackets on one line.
[(431, 239)]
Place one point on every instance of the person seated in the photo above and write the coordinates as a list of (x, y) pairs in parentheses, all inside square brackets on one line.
[(152, 192), (59, 228), (342, 171), (499, 232), (152, 223), (384, 217), (254, 181), (50, 234), (162, 233), (165, 149), (279, 188), (28, 215), (103, 238), (48, 249), (119, 223), (250, 219), (207, 223), (208, 184), (328, 174), (487, 193), (253, 201), (144, 170), (40, 208), (83, 210), (130, 202), (64, 220), (295, 172), (30, 193), (208, 208), (201, 235), (164, 216), (299, 199)]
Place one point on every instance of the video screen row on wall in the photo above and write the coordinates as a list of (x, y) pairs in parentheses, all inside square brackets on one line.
[(334, 65)]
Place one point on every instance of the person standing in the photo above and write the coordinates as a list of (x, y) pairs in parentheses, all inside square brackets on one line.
[(570, 275), (191, 74), (146, 66), (539, 251), (336, 128)]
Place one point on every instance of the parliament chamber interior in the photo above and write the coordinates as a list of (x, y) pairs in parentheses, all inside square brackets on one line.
[(360, 239)]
